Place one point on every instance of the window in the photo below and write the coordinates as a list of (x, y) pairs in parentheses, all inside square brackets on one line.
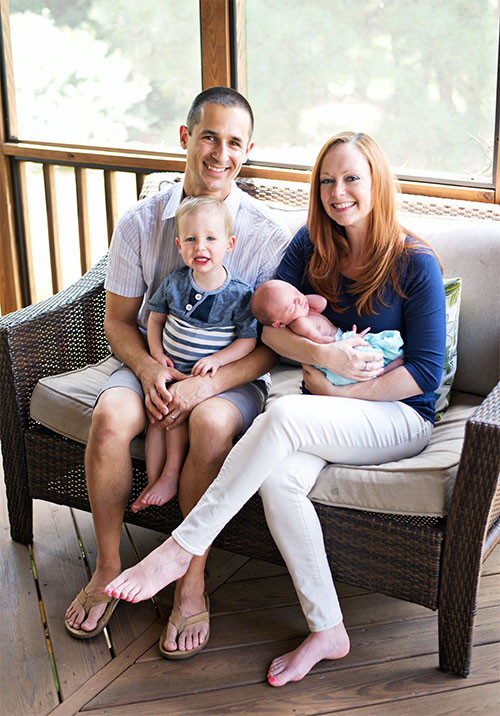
[(105, 72), (418, 75)]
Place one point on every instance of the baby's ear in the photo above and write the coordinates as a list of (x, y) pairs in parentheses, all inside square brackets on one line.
[(278, 324), (178, 242)]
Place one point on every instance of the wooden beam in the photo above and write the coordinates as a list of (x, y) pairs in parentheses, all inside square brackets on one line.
[(241, 47), (111, 201), (30, 264), (10, 278), (215, 43), (49, 179), (82, 204)]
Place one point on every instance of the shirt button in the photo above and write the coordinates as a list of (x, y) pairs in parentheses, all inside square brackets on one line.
[(188, 307), (198, 296)]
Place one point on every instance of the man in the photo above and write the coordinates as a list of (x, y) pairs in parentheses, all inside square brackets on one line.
[(217, 140)]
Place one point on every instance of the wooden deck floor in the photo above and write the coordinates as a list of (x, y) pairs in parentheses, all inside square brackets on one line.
[(392, 667)]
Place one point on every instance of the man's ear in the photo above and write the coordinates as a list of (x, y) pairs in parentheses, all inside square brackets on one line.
[(183, 135), (278, 324), (230, 244)]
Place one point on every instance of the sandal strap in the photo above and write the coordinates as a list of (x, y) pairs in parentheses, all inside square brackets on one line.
[(181, 623), (90, 600)]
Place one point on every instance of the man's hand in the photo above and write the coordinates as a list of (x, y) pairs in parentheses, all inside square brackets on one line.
[(154, 379), (184, 396)]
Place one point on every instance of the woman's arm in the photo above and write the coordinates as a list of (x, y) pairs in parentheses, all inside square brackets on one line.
[(341, 357), (398, 384)]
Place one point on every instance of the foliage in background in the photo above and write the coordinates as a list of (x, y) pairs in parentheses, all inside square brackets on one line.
[(419, 75)]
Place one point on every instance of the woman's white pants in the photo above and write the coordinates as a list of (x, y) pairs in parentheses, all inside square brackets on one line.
[(282, 455)]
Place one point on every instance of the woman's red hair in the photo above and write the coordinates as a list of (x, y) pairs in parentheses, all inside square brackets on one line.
[(385, 243)]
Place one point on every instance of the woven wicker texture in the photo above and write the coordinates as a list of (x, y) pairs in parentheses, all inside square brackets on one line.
[(433, 562)]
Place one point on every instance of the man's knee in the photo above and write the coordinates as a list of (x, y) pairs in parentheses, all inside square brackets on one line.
[(118, 416), (214, 423)]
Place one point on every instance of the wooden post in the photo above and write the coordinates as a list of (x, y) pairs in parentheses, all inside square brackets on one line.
[(10, 278), (215, 43)]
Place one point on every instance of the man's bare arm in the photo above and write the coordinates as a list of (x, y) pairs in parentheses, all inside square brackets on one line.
[(128, 344), (192, 391)]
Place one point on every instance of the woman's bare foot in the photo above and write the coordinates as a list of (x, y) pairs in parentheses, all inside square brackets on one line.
[(162, 566), (330, 644), (157, 493), (75, 614)]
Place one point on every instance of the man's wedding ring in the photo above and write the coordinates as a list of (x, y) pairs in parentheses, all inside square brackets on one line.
[(173, 417)]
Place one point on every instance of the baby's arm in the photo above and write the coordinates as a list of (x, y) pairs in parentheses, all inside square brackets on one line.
[(316, 303), (315, 327), (239, 348), (156, 321)]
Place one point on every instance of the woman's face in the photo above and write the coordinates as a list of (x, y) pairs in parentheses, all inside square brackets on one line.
[(346, 186)]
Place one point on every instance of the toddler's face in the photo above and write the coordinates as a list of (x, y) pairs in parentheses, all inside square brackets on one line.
[(203, 240)]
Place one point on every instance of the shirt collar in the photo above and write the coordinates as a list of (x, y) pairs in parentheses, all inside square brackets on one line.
[(232, 201)]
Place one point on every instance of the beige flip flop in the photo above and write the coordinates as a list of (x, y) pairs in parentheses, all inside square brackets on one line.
[(88, 601), (181, 623)]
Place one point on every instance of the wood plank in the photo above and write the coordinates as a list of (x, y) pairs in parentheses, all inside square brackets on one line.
[(129, 620), (82, 204), (30, 265), (107, 674), (129, 160), (139, 183), (318, 693), (62, 573), (111, 201), (215, 43), (229, 666), (481, 700), (492, 563), (10, 278), (28, 685), (49, 180)]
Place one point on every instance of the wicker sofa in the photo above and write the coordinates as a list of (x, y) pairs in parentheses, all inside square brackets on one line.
[(432, 558)]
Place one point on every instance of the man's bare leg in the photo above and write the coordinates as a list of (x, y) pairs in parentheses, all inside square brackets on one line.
[(109, 481), (213, 425)]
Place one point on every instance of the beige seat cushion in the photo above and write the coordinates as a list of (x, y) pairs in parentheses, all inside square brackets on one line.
[(420, 485), (64, 403)]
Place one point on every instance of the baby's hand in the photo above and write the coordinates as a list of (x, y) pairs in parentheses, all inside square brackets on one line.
[(363, 332), (209, 364)]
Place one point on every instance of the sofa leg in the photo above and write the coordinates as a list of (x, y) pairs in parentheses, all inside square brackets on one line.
[(455, 641), (20, 506)]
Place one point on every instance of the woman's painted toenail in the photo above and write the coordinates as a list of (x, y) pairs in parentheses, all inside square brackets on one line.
[(271, 679)]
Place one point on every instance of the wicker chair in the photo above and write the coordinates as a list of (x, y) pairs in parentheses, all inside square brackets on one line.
[(434, 562)]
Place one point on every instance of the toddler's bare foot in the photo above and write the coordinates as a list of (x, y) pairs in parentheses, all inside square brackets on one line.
[(164, 565), (157, 493), (140, 504), (330, 644)]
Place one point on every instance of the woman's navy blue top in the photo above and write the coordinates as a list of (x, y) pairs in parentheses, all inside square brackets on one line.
[(420, 316)]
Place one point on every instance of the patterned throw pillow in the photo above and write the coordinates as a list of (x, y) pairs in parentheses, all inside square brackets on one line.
[(453, 290)]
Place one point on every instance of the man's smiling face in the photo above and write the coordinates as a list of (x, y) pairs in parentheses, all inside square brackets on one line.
[(216, 148)]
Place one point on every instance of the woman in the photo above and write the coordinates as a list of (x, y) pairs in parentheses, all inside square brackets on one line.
[(354, 252)]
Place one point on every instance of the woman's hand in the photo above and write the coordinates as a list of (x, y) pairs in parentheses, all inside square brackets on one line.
[(343, 358), (315, 381)]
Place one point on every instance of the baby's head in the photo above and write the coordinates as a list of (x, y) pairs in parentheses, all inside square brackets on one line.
[(278, 303)]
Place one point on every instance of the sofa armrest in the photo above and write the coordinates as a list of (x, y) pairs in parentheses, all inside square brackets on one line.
[(472, 530), (62, 333)]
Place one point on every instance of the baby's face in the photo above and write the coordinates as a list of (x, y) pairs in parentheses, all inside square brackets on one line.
[(289, 304)]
